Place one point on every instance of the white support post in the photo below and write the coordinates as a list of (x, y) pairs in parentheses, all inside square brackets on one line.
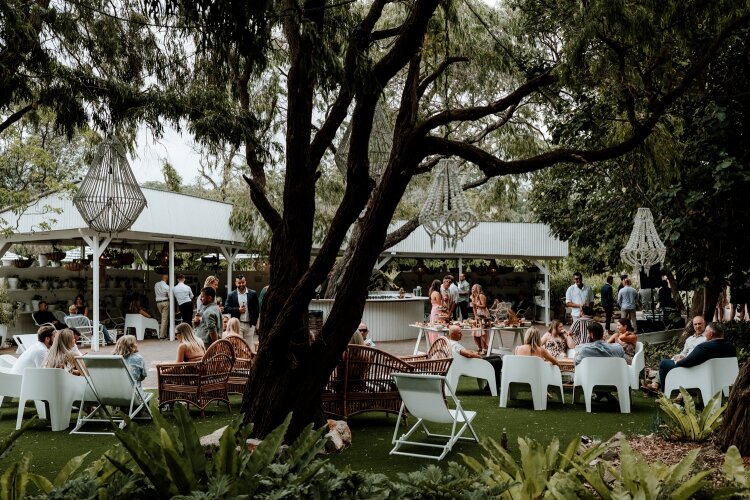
[(460, 266), (230, 254), (544, 267), (98, 245), (171, 290), (385, 260)]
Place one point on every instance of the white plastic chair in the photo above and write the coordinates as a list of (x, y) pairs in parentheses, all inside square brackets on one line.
[(57, 388), (471, 367), (531, 371), (140, 324), (25, 341), (637, 366), (10, 384), (85, 328), (112, 384), (7, 360), (422, 396), (611, 372), (714, 375)]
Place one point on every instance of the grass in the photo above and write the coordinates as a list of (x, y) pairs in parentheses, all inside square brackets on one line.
[(372, 432)]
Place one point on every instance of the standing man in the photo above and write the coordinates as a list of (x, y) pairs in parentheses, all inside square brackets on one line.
[(161, 295), (608, 302), (242, 303), (208, 326), (627, 298), (183, 294), (578, 295), (449, 291), (464, 290)]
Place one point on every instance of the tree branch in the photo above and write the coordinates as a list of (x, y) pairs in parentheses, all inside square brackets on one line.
[(386, 33), (425, 83), (401, 233), (15, 117), (477, 112)]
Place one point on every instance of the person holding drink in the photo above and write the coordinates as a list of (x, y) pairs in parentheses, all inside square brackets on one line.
[(242, 303)]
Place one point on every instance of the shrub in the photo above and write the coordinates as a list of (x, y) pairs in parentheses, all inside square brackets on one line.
[(686, 423)]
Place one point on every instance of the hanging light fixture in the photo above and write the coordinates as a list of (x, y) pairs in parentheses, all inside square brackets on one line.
[(447, 213), (379, 147), (644, 248), (109, 198)]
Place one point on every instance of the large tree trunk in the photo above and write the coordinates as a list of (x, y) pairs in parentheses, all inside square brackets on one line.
[(737, 415)]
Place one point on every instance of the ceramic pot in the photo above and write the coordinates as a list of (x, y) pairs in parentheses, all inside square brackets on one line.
[(12, 283)]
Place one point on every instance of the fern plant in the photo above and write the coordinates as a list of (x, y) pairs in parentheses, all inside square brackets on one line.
[(638, 479), (686, 423), (543, 470)]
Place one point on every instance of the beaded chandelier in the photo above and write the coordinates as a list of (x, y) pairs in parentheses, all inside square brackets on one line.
[(109, 198), (447, 213), (381, 142), (644, 248)]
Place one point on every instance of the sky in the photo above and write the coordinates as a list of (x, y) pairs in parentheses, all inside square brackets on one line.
[(174, 146)]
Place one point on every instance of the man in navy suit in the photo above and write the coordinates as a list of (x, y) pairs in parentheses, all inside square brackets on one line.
[(242, 303), (715, 346)]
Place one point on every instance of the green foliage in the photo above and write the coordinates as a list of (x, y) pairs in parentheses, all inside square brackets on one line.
[(455, 481), (686, 423), (637, 478), (8, 310), (543, 470)]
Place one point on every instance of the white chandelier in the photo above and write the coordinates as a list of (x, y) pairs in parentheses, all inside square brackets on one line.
[(109, 198), (644, 248), (447, 213), (379, 147)]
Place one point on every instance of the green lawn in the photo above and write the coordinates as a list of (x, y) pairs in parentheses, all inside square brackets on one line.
[(372, 432)]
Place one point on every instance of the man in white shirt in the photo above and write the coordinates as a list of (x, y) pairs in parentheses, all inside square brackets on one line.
[(242, 303), (455, 334), (183, 294), (161, 294), (449, 291), (578, 295), (33, 356)]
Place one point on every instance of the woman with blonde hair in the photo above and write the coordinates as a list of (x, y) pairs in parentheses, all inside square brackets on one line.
[(558, 340), (127, 347), (532, 346), (61, 354), (191, 347), (479, 305), (233, 328)]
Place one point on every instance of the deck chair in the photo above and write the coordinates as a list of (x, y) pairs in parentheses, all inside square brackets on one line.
[(422, 396), (85, 328), (110, 380), (25, 341)]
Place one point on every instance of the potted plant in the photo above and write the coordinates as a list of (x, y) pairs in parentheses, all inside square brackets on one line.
[(35, 302), (13, 282), (8, 314)]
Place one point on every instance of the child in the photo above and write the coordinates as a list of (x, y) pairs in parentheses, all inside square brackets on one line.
[(128, 349)]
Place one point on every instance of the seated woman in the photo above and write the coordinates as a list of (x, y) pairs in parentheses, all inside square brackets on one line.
[(558, 340), (191, 347), (136, 308), (81, 307), (532, 347), (626, 337), (128, 349), (61, 354), (232, 328)]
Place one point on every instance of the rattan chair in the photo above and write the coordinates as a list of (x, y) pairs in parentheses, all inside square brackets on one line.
[(439, 349), (198, 382), (243, 361), (362, 381)]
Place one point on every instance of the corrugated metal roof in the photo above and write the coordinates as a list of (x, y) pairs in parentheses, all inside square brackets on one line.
[(167, 214), (496, 240)]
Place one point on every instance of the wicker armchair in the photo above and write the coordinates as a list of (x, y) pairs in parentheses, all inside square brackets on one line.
[(198, 382), (362, 381), (441, 348), (243, 361)]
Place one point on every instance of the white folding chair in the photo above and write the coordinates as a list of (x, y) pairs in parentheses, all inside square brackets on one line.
[(57, 388), (140, 324), (25, 341), (422, 396), (85, 328), (531, 371), (471, 367), (609, 372), (710, 377), (112, 384)]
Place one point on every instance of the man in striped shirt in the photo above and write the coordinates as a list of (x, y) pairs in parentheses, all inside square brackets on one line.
[(581, 325)]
